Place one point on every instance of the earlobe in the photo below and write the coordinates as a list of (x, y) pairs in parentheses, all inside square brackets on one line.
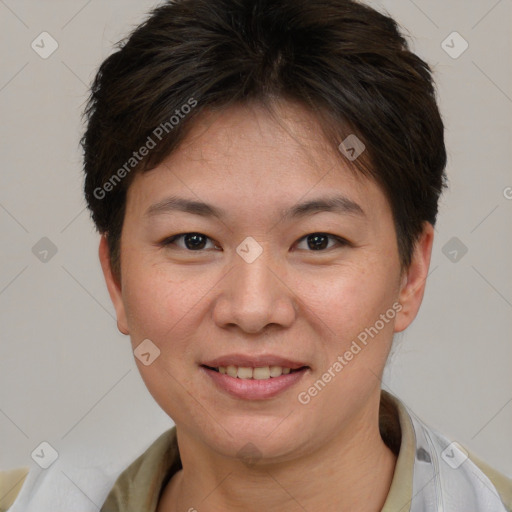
[(114, 288), (413, 281)]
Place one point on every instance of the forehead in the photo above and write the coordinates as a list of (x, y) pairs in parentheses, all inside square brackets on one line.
[(254, 134), (244, 155)]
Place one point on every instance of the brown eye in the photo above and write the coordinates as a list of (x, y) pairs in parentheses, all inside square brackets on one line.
[(320, 241), (194, 241), (191, 241)]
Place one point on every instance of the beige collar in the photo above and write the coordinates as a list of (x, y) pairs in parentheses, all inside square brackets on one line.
[(140, 484)]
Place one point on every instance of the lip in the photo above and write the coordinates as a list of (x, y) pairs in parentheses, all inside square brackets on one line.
[(254, 389), (253, 361)]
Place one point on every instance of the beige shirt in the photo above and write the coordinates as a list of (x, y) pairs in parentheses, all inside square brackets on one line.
[(138, 487)]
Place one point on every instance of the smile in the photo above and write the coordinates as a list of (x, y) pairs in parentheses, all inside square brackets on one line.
[(254, 383), (257, 373)]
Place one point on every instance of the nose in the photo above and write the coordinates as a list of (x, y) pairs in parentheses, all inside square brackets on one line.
[(254, 296)]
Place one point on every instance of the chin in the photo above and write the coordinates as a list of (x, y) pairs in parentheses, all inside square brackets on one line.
[(253, 440)]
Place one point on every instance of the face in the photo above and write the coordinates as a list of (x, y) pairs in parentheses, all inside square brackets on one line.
[(288, 265)]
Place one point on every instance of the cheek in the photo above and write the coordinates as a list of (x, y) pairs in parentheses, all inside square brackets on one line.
[(348, 300), (171, 306), (356, 324), (165, 307), (157, 297)]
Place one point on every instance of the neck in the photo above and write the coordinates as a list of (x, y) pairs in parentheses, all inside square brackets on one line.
[(352, 471)]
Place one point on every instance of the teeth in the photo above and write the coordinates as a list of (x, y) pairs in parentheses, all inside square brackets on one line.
[(276, 371), (244, 372), (260, 373)]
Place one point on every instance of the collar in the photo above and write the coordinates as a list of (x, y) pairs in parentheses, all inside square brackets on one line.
[(424, 479)]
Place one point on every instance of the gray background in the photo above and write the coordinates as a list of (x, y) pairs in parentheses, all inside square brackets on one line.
[(68, 377)]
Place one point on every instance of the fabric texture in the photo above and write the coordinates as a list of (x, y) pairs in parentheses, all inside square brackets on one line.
[(432, 474), (11, 483)]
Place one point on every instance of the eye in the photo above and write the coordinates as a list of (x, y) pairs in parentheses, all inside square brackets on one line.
[(320, 241), (196, 242), (191, 241)]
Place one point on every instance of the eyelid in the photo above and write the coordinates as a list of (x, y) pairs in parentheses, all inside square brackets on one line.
[(339, 239), (170, 239)]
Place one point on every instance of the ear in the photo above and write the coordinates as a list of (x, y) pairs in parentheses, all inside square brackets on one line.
[(114, 288), (414, 278)]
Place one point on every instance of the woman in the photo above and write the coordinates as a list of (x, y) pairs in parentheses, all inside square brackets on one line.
[(265, 177)]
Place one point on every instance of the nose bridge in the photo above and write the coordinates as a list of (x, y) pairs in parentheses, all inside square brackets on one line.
[(253, 283), (254, 296)]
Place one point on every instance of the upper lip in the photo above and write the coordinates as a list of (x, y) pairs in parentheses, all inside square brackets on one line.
[(253, 361)]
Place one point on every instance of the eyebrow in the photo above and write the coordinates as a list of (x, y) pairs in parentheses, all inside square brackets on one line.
[(336, 204)]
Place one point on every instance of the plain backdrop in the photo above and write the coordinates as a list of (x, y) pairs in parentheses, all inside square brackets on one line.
[(68, 377)]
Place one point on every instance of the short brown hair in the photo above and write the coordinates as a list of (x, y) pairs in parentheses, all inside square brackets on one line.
[(344, 61)]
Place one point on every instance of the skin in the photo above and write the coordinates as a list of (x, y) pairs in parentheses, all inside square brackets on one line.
[(292, 301)]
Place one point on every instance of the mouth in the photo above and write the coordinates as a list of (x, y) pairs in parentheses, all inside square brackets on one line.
[(254, 378), (255, 373)]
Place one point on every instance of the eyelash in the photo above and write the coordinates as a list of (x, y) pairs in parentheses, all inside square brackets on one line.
[(170, 240)]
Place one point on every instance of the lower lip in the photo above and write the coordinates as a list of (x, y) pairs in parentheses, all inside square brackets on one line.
[(254, 389)]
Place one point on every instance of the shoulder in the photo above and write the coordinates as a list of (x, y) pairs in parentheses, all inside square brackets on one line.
[(11, 482), (445, 471), (72, 482), (502, 483), (466, 479), (141, 482)]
